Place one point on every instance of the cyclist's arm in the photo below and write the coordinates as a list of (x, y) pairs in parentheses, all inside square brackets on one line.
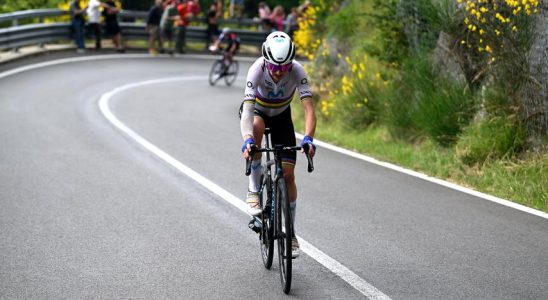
[(309, 117), (246, 122), (306, 98)]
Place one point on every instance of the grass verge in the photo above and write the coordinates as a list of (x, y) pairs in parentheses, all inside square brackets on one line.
[(523, 180)]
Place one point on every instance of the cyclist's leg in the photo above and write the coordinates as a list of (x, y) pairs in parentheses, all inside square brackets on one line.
[(255, 177), (289, 175), (283, 132), (258, 131)]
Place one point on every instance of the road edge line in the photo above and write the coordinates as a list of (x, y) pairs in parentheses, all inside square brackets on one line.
[(435, 180)]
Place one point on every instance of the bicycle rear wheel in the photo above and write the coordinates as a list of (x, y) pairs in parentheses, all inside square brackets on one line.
[(266, 240), (216, 72), (284, 228), (232, 72)]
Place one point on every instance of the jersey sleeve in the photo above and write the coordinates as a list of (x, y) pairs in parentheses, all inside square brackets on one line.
[(302, 81), (253, 77)]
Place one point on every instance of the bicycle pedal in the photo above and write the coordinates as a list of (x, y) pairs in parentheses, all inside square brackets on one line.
[(255, 225)]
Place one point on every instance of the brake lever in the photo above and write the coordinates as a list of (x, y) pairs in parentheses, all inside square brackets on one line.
[(306, 148), (249, 160)]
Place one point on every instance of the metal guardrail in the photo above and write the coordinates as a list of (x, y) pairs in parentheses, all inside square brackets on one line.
[(18, 36), (14, 17)]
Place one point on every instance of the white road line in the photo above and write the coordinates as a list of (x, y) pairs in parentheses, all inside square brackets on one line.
[(334, 266), (430, 179)]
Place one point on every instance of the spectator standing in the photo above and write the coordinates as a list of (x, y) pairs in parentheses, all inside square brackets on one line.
[(221, 8), (169, 16), (112, 28), (94, 21), (182, 23), (193, 7), (264, 16), (153, 27), (236, 8), (77, 20), (186, 9), (277, 18), (213, 16), (292, 22), (264, 11)]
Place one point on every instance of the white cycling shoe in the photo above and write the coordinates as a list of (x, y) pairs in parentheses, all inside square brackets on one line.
[(295, 248), (254, 206)]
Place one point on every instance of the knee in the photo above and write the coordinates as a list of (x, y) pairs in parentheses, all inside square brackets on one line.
[(289, 175)]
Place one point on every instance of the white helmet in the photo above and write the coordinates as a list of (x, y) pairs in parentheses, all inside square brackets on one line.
[(278, 49)]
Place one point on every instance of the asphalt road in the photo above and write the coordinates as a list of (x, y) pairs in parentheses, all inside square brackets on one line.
[(86, 212)]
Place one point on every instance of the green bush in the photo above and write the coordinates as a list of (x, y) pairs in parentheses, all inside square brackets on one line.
[(428, 104), (491, 138), (388, 41), (354, 115)]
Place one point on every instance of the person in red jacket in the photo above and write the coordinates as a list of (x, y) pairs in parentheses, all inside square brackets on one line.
[(186, 9)]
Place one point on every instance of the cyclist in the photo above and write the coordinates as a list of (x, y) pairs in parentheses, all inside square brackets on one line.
[(271, 83), (232, 44)]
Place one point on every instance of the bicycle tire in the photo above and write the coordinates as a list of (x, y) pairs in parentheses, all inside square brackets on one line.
[(267, 230), (284, 228), (216, 72), (232, 72)]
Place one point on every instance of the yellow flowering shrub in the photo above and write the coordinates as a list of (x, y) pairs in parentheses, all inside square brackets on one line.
[(494, 26), (311, 44), (358, 98), (347, 86)]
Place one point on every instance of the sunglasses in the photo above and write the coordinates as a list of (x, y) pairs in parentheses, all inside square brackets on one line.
[(276, 68)]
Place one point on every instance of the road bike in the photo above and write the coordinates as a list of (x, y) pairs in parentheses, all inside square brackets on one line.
[(224, 68), (275, 223)]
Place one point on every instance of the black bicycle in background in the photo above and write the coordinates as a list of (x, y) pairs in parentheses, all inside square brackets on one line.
[(224, 68), (275, 223)]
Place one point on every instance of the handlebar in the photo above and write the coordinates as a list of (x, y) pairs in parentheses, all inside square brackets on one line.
[(278, 148)]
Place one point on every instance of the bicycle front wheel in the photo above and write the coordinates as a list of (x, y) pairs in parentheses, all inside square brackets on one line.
[(216, 72), (232, 72), (284, 228), (266, 236)]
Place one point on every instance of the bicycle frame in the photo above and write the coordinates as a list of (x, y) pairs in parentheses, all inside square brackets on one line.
[(273, 182)]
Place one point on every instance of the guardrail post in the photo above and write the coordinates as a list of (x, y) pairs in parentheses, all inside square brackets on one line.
[(41, 20)]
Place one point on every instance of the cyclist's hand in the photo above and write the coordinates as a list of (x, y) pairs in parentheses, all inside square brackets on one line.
[(248, 145), (308, 145)]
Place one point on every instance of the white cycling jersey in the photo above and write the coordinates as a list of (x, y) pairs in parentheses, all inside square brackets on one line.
[(269, 97)]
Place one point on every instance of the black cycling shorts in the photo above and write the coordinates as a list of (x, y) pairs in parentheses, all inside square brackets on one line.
[(282, 132)]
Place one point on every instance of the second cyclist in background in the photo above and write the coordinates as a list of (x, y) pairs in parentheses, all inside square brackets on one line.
[(232, 41)]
